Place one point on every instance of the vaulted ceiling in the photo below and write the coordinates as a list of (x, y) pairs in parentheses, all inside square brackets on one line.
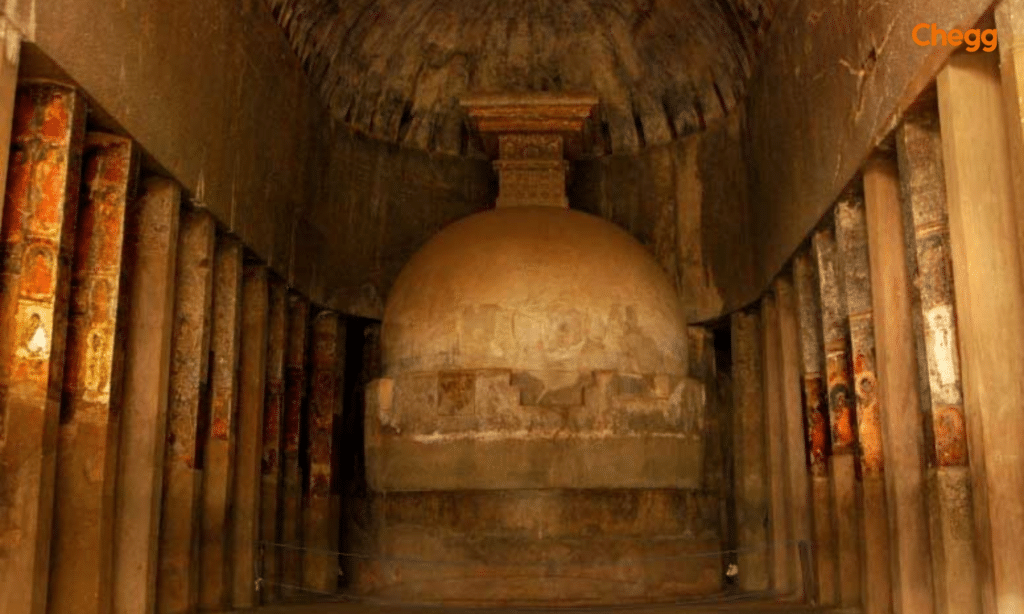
[(395, 69)]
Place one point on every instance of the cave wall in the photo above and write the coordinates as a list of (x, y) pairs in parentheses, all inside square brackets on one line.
[(660, 69), (212, 93), (833, 80), (687, 202), (231, 116), (379, 204)]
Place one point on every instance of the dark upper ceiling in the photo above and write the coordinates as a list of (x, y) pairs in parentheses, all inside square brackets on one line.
[(395, 69)]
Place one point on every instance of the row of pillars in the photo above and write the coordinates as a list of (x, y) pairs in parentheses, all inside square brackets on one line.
[(879, 383), (154, 385)]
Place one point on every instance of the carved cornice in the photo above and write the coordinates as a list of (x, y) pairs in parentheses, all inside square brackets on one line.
[(564, 115), (531, 134)]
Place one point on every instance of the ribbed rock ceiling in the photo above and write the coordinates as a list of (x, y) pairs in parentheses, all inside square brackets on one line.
[(395, 69)]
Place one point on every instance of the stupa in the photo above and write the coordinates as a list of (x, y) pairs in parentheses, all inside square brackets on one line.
[(535, 438)]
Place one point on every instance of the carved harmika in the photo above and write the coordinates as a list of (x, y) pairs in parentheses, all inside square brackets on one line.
[(530, 146), (532, 134)]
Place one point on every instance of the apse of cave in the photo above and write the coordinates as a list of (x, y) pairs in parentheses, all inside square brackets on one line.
[(312, 306)]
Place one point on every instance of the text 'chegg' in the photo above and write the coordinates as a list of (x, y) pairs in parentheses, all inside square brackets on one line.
[(925, 34)]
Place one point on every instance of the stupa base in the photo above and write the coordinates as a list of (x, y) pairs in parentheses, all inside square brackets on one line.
[(540, 547)]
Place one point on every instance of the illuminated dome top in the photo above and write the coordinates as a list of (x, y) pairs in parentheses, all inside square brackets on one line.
[(538, 289)]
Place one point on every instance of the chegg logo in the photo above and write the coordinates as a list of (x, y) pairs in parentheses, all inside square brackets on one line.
[(926, 34)]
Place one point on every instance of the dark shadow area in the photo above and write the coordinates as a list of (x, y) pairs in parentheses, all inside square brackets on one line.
[(362, 365)]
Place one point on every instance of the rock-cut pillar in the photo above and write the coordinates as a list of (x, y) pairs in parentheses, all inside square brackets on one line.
[(252, 377), (151, 248), (83, 526), (291, 469), (216, 513), (790, 377), (842, 418), (37, 239), (322, 496), (10, 38), (898, 390), (816, 426), (950, 500), (271, 491), (750, 463), (178, 577), (780, 521), (852, 242), (987, 272)]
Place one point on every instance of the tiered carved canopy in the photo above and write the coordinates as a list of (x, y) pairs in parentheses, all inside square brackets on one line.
[(531, 134)]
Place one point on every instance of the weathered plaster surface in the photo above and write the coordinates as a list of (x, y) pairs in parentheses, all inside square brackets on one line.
[(229, 114), (443, 431), (832, 83), (37, 239), (687, 203), (82, 563), (528, 547), (534, 288), (378, 205), (151, 245)]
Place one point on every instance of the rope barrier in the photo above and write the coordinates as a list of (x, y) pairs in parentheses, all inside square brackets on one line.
[(340, 597), (357, 555)]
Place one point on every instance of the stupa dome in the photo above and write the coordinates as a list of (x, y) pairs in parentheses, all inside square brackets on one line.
[(534, 289)]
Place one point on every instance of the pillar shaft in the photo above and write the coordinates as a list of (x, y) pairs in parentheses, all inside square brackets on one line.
[(816, 428), (36, 239), (779, 525), (82, 566), (851, 237), (897, 365), (799, 504), (702, 358), (950, 499), (1009, 21), (291, 479), (178, 578), (990, 308), (252, 371), (10, 38), (750, 460), (841, 401), (322, 503), (151, 249), (271, 491), (218, 467)]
